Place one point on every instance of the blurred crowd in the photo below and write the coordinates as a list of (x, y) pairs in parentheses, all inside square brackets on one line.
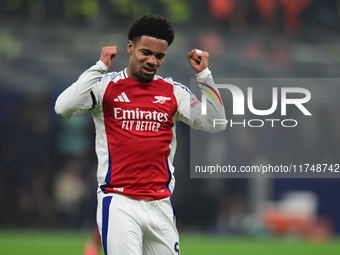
[(48, 165)]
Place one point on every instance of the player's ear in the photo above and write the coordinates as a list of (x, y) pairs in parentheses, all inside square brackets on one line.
[(130, 47)]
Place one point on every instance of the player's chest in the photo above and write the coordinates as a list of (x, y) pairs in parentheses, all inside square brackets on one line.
[(135, 101)]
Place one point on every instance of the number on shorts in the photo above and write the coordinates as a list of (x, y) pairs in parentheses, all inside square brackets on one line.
[(176, 248)]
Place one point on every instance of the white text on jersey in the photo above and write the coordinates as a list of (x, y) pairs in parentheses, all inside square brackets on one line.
[(137, 114), (147, 120)]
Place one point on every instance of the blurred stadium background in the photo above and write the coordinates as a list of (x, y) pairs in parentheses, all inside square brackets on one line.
[(47, 165)]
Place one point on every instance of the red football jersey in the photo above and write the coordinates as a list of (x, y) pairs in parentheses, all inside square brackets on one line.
[(135, 127)]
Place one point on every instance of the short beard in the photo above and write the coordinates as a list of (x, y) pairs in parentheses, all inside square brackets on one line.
[(143, 79)]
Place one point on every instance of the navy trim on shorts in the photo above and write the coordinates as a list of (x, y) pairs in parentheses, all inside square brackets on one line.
[(173, 208), (105, 221)]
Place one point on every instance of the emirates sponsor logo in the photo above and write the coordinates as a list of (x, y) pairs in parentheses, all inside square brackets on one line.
[(136, 114), (138, 120)]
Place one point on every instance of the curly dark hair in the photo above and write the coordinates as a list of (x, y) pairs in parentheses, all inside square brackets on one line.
[(152, 25)]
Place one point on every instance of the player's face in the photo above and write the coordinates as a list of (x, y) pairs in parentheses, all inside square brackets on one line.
[(146, 57)]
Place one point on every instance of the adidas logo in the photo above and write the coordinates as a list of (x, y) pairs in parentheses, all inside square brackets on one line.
[(122, 98)]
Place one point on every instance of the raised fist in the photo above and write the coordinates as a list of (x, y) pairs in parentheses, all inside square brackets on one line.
[(198, 60), (108, 54)]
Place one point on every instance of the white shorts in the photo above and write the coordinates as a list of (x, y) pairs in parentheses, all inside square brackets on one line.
[(136, 227)]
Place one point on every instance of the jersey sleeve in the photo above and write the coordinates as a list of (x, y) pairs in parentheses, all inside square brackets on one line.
[(190, 108), (82, 95)]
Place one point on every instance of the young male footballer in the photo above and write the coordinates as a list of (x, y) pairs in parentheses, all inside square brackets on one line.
[(135, 113)]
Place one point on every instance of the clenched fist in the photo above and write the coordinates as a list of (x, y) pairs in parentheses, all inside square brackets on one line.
[(198, 60), (108, 54)]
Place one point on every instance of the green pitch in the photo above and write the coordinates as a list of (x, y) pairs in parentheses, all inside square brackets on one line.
[(72, 243)]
